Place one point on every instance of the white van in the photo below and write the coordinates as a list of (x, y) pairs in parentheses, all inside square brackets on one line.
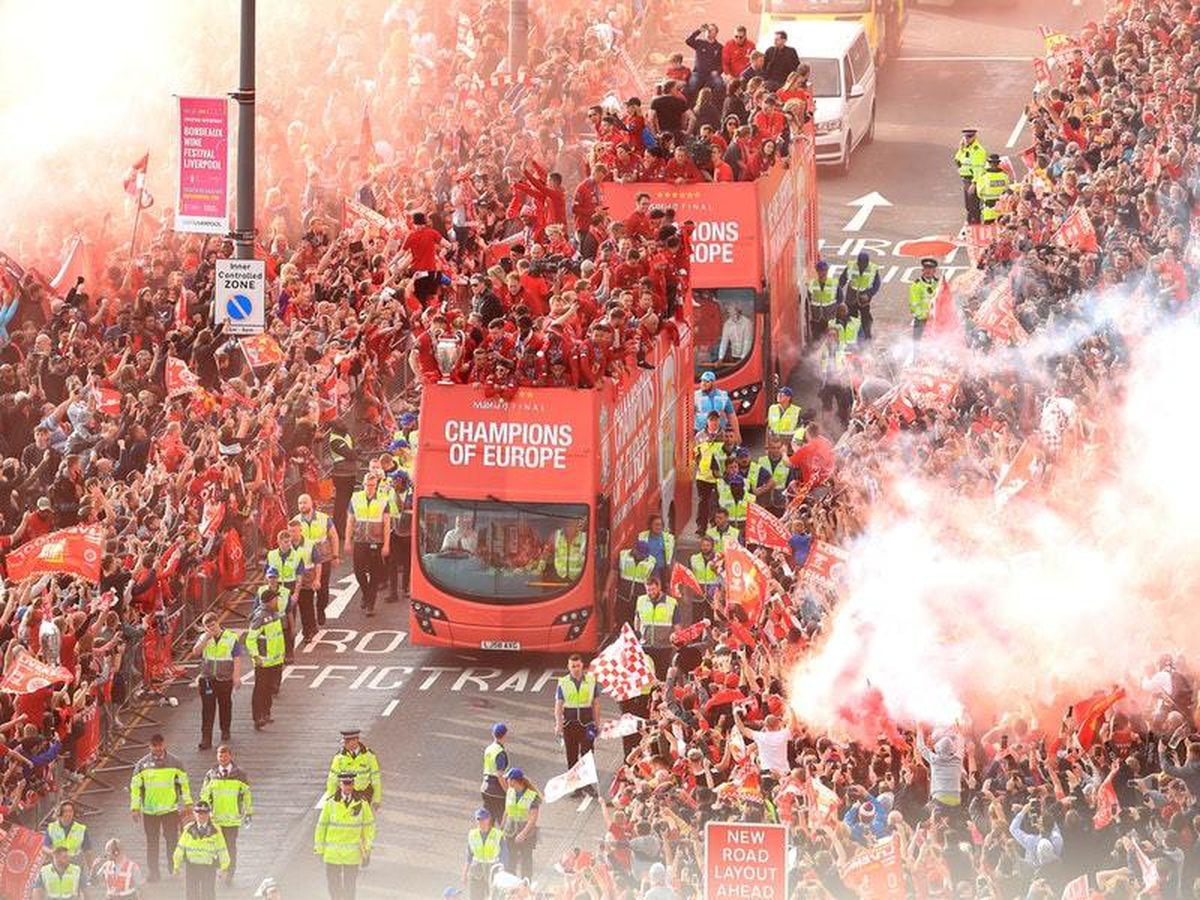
[(842, 80)]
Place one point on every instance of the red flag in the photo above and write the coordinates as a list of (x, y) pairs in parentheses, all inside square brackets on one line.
[(1077, 232), (1077, 889), (875, 873), (180, 379), (1029, 156), (1041, 70), (825, 565), (681, 637), (28, 674), (1106, 803), (87, 745), (765, 529), (1019, 473), (945, 321), (20, 853), (108, 401), (744, 582), (157, 660), (1090, 720), (262, 350), (927, 246), (996, 317), (135, 177), (683, 577), (71, 551), (231, 560)]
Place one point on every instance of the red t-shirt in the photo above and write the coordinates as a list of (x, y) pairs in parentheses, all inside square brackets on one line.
[(815, 460), (423, 243)]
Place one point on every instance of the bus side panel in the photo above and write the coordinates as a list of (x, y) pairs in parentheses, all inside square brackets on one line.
[(683, 421)]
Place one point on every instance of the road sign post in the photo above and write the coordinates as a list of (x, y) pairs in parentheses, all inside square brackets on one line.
[(744, 860), (239, 299)]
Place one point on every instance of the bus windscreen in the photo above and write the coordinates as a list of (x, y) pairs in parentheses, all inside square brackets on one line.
[(725, 327)]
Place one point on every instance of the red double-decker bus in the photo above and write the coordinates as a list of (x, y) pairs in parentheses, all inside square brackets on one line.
[(754, 244), (522, 505)]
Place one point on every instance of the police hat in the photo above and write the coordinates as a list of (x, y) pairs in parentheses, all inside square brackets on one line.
[(993, 159), (202, 806), (970, 131), (928, 262), (350, 733)]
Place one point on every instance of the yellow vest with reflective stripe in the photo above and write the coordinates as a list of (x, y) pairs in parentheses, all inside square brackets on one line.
[(490, 755), (921, 294), (315, 531), (712, 459), (634, 570), (668, 540), (201, 850), (61, 886), (287, 566), (735, 508), (779, 471), (72, 839), (228, 795), (347, 439), (971, 159), (656, 619), (517, 809), (485, 849), (822, 295), (265, 639), (368, 516), (578, 696), (217, 656), (345, 831), (731, 534), (704, 571), (861, 280), (783, 421), (569, 557)]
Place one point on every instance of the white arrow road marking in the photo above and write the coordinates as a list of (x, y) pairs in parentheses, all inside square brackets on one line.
[(341, 597), (865, 204)]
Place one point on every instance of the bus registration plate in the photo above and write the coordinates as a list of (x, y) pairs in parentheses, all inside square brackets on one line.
[(499, 645)]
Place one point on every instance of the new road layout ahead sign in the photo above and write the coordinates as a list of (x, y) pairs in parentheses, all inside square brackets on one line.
[(240, 296), (744, 861)]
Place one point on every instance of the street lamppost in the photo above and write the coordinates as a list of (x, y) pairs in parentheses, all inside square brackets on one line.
[(244, 233)]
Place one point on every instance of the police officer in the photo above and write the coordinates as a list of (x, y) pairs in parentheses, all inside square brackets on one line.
[(65, 831), (266, 643), (659, 542), (654, 620), (321, 535), (370, 527), (485, 848), (734, 498), (709, 398), (495, 765), (921, 295), (158, 792), (344, 837), (226, 789), (770, 475), (220, 672), (710, 466), (971, 159), (521, 807), (567, 552), (201, 852), (345, 470), (577, 712), (356, 759), (783, 416), (857, 286), (291, 559), (822, 295), (59, 879), (636, 567), (991, 185)]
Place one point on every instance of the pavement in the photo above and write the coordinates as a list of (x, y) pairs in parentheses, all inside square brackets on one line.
[(427, 713)]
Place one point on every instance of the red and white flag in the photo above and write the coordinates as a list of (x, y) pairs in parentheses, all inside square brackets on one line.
[(578, 776), (1106, 803), (822, 800), (1077, 232), (825, 566), (135, 177), (68, 551), (180, 379), (74, 265), (622, 726), (765, 529), (20, 858), (27, 674), (1077, 889), (262, 350), (1017, 474), (683, 577), (745, 582), (622, 668), (996, 316), (108, 401)]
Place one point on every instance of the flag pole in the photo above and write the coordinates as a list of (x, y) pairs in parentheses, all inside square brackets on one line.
[(137, 215)]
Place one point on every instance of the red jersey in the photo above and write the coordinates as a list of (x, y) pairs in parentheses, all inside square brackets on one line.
[(423, 243)]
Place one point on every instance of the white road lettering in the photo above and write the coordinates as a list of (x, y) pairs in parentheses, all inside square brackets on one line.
[(437, 672), (514, 682), (291, 669), (378, 684), (340, 598), (340, 645), (328, 672), (362, 677), (390, 708), (476, 676), (1017, 129), (395, 640)]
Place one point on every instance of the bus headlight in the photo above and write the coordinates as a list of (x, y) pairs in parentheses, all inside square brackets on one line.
[(425, 613), (577, 619), (744, 397)]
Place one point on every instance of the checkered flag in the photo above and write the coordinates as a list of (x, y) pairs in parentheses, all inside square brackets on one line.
[(622, 669)]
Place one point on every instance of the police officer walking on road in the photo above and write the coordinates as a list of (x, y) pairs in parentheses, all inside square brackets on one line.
[(858, 285), (921, 295), (290, 559), (201, 853), (344, 837), (356, 759), (495, 764), (971, 159), (266, 643), (158, 792), (370, 527), (577, 713), (220, 671), (226, 789)]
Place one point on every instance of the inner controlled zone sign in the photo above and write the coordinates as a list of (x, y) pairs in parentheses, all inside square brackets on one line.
[(239, 299), (747, 861)]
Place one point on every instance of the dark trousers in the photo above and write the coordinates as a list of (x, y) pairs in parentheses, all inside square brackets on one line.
[(306, 602), (369, 571), (399, 564), (840, 393), (577, 744), (638, 706), (706, 495), (201, 881), (971, 201), (219, 696), (918, 330), (323, 592), (520, 856), (494, 803), (342, 881), (819, 317), (230, 833), (344, 487), (166, 826), (266, 686)]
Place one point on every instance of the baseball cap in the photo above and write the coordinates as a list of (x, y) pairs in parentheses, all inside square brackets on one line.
[(272, 572), (481, 814), (785, 390), (822, 265), (499, 729), (516, 774), (708, 376)]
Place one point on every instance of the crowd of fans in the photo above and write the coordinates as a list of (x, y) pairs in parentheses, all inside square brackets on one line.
[(1015, 807)]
